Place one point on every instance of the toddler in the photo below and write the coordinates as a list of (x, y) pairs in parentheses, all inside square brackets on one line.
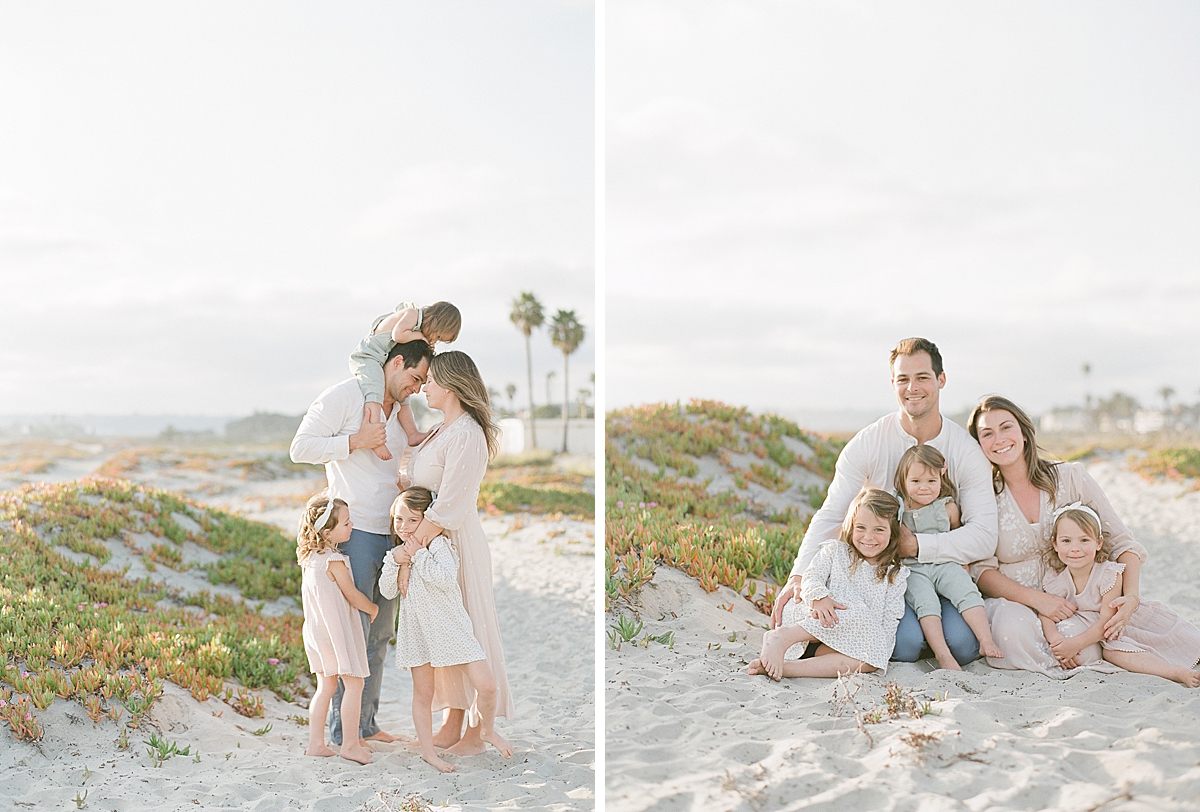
[(440, 321), (333, 632), (433, 629), (929, 507)]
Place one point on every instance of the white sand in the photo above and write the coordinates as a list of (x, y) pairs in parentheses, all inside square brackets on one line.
[(686, 728), (545, 598)]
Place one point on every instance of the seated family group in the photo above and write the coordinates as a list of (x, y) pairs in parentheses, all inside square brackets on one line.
[(971, 542)]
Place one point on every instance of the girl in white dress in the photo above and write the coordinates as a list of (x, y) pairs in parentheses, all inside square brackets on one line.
[(433, 629), (849, 609), (333, 631)]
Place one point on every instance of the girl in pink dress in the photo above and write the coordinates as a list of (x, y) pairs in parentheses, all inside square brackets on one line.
[(1155, 641), (333, 631)]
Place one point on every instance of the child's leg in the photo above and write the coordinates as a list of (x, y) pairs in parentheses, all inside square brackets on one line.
[(776, 642), (375, 415), (451, 731), (955, 585), (920, 594), (1143, 662), (976, 618), (826, 663), (931, 627), (422, 705), (352, 747), (480, 674), (318, 708), (408, 424)]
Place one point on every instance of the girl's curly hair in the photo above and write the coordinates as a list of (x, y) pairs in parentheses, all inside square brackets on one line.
[(310, 538)]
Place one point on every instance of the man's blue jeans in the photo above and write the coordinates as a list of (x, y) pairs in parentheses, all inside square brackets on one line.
[(366, 551), (910, 640)]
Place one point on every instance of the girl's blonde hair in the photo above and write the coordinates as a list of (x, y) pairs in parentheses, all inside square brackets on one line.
[(310, 538), (441, 319), (1088, 524), (932, 459), (456, 372), (886, 507), (416, 499)]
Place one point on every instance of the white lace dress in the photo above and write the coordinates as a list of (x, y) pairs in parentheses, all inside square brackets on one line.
[(866, 629), (432, 626)]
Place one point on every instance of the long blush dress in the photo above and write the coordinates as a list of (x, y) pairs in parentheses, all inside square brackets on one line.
[(1016, 627), (451, 463), (333, 632)]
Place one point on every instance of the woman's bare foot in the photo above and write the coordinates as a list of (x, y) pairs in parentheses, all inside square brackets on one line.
[(443, 766), (448, 735), (499, 742), (771, 658), (948, 662), (320, 752), (755, 668), (384, 736), (1187, 677), (469, 745), (988, 648), (355, 752)]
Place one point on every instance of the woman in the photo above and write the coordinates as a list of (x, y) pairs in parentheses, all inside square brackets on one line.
[(451, 462), (1028, 489)]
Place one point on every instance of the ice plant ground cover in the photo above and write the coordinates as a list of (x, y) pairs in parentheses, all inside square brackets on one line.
[(73, 628), (718, 492)]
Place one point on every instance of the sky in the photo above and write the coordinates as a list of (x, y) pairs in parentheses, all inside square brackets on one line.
[(204, 206), (793, 187)]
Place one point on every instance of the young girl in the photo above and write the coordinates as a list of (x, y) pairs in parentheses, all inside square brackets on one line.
[(1155, 641), (928, 494), (853, 599), (333, 631), (440, 321), (433, 630)]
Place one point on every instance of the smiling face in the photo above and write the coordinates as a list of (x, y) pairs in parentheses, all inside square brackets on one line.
[(402, 382), (870, 534), (406, 520), (1075, 546), (340, 532), (1000, 437), (437, 395), (922, 485), (917, 388)]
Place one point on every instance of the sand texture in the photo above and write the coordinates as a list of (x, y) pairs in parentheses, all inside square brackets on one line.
[(687, 729)]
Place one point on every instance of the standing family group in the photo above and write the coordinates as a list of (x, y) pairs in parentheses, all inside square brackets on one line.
[(386, 552), (967, 541)]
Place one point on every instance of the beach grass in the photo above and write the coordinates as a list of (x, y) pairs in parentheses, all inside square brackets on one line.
[(660, 517), (71, 629)]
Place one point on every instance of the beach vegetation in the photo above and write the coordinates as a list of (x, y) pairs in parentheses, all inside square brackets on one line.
[(1172, 463), (160, 749)]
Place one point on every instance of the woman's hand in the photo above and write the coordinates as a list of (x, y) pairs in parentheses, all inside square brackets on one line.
[(1125, 605), (824, 610), (1056, 608), (426, 532)]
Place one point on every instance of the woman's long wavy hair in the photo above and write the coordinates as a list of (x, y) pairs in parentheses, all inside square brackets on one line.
[(310, 538), (1042, 472), (886, 507), (456, 372)]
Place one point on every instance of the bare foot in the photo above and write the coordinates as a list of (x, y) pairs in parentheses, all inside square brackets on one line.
[(755, 668), (384, 736), (366, 745), (948, 662), (499, 742), (469, 745), (447, 736), (443, 766), (320, 752), (355, 752), (382, 452), (1187, 677), (771, 658), (988, 648)]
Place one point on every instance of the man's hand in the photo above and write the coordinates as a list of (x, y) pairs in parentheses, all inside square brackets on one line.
[(369, 434), (789, 592), (909, 548)]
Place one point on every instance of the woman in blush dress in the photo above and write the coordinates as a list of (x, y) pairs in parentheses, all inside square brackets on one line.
[(451, 463), (1029, 489)]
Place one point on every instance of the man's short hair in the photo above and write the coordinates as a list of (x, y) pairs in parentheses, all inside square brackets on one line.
[(413, 352), (912, 346)]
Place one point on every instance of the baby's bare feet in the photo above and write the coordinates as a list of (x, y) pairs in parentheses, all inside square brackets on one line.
[(320, 752), (355, 752), (442, 765), (382, 452), (499, 742)]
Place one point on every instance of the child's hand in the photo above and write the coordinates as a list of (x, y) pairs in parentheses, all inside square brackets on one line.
[(824, 610), (401, 555), (1066, 648), (374, 613), (413, 546), (418, 438)]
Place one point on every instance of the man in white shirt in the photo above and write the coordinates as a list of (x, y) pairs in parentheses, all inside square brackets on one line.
[(333, 433), (870, 460)]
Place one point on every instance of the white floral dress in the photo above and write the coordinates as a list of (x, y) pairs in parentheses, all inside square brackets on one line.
[(866, 629)]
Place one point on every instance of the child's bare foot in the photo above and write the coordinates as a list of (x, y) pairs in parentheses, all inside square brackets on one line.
[(467, 747), (355, 752), (384, 736), (366, 745), (988, 648), (771, 658), (443, 766), (755, 668), (320, 752), (948, 662), (499, 742), (1187, 677), (382, 452)]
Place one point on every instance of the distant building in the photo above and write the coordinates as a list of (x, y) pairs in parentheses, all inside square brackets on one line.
[(1146, 421), (1072, 418)]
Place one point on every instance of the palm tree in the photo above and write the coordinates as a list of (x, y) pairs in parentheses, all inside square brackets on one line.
[(527, 315), (1165, 393), (511, 391), (549, 377), (566, 333)]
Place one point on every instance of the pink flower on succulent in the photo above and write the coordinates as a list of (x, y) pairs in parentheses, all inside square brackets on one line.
[(654, 504), (620, 504), (273, 660), (3, 704), (641, 504)]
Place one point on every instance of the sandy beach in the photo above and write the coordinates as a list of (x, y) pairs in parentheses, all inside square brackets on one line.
[(687, 729), (544, 585)]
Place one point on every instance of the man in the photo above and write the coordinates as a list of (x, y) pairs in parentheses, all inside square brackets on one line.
[(335, 434), (870, 460)]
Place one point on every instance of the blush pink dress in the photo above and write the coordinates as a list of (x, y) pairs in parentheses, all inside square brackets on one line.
[(333, 629), (451, 463), (1154, 627)]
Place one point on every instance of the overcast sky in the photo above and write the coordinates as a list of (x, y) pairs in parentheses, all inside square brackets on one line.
[(203, 206), (793, 187)]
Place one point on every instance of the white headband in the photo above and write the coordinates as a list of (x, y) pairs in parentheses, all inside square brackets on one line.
[(324, 517), (1080, 506)]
